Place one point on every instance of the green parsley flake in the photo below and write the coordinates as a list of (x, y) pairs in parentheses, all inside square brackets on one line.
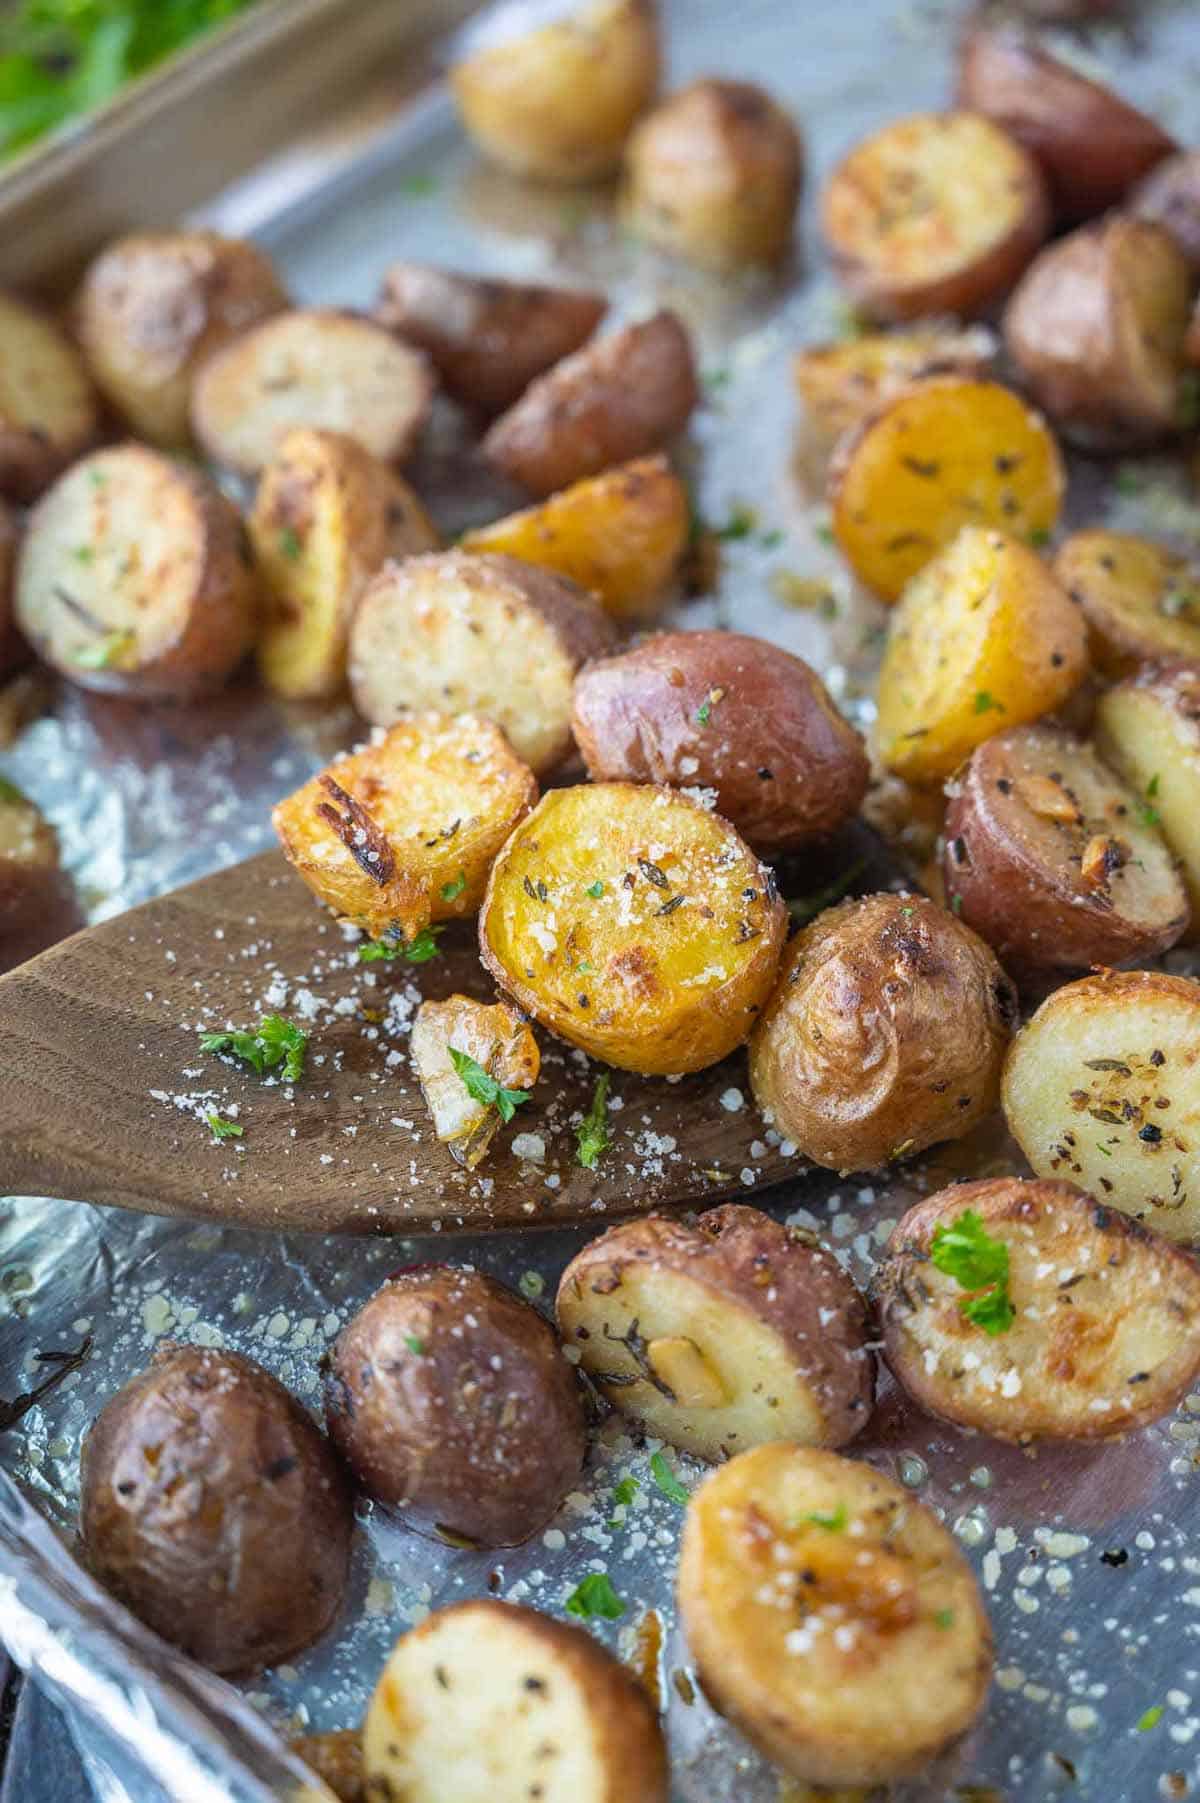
[(484, 1088), (289, 543), (625, 1491), (418, 186), (276, 1041), (220, 1128), (112, 648), (595, 1596), (414, 1345), (595, 890), (666, 1480), (592, 1132), (964, 1250), (1151, 1718), (1101, 1147), (418, 950), (1040, 537), (944, 1618), (531, 1284), (834, 1521), (741, 523), (452, 891), (986, 703), (1149, 813), (704, 711)]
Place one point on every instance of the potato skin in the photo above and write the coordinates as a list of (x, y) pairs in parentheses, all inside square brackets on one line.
[(1170, 197), (1148, 728), (49, 410), (480, 1432), (843, 383), (337, 1760), (213, 1508), (784, 763), (714, 174), (885, 1034), (37, 898), (620, 397)]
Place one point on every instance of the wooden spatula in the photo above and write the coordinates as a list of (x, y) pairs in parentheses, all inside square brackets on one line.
[(105, 1095)]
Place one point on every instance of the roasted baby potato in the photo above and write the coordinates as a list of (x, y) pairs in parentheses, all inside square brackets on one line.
[(713, 174), (831, 1616), (37, 904), (560, 1718), (488, 635), (945, 453), (403, 832), (1027, 1311), (326, 517), (1149, 728), (153, 305), (311, 367), (885, 1033), (337, 1760), (1096, 328), (1052, 860), (1091, 145), (213, 1508), (725, 712), (1170, 196), (723, 1334), (1141, 601), (48, 407), (984, 638), (449, 1399), (497, 1039), (619, 397), (1102, 1087), (937, 213), (634, 924), (843, 383), (486, 338), (557, 103), (621, 534), (11, 648), (134, 578)]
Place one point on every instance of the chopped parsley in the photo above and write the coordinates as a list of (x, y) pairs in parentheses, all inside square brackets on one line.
[(625, 1491), (963, 1249), (741, 523), (220, 1128), (666, 1480), (1151, 1718), (592, 1132), (834, 1521), (413, 1344), (452, 891), (704, 711), (418, 950), (771, 541), (986, 703), (111, 648), (289, 543), (595, 1596), (84, 554), (1039, 537), (1149, 813), (1101, 1147), (276, 1041), (531, 1284), (595, 890), (944, 1618), (484, 1088)]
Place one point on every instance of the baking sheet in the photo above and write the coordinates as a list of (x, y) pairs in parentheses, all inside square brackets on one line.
[(1087, 1557)]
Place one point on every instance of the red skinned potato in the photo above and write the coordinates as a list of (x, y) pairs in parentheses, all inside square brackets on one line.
[(1092, 145), (49, 411), (723, 711), (1148, 728), (1170, 196)]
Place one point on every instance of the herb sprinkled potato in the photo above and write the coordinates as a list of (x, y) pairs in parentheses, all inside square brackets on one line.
[(885, 1034), (831, 1616), (1170, 196), (845, 382), (37, 903), (1141, 601), (983, 639), (634, 924), (1149, 728), (403, 832), (476, 1063), (48, 407)]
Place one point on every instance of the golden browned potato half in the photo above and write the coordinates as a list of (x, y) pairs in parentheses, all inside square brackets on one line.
[(831, 1616), (449, 1399), (1102, 1088), (134, 577), (936, 213), (1092, 145), (1149, 728), (983, 639), (634, 924), (885, 1034), (562, 1720), (403, 832), (558, 103), (621, 534), (496, 1038), (841, 384), (48, 407), (723, 711), (486, 338), (1141, 601), (312, 367), (714, 175), (619, 397), (37, 901), (1096, 329), (1054, 861), (213, 1508), (1170, 196), (326, 516), (720, 1335), (337, 1760), (153, 305), (943, 454), (1089, 1327)]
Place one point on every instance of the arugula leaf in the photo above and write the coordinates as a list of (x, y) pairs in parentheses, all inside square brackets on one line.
[(666, 1480), (277, 1041), (484, 1088), (964, 1250), (595, 1596), (592, 1132), (220, 1128), (418, 950)]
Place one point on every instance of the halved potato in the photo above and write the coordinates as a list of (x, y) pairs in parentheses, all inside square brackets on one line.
[(1141, 601), (634, 924), (1102, 1087), (720, 1335), (403, 832), (1096, 328), (1104, 1330), (983, 639), (311, 367), (48, 407), (1054, 861), (831, 1616), (337, 1760), (621, 534), (558, 102), (487, 1702), (500, 1043), (484, 635), (936, 213), (1149, 728), (619, 397), (326, 516), (153, 305), (843, 383), (134, 577), (1170, 196), (945, 453), (37, 900)]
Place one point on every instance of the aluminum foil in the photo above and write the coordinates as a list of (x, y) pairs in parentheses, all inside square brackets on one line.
[(1086, 1557)]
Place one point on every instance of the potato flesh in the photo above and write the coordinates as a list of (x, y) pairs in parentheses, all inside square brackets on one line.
[(1141, 600), (1152, 735), (44, 386), (499, 1042), (842, 384)]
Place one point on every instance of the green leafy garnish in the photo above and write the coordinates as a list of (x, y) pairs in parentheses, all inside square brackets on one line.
[(418, 950), (595, 890), (531, 1284), (483, 1088), (1039, 537), (592, 1132), (111, 648), (419, 185), (806, 907), (964, 1250), (451, 891), (1149, 813), (625, 1491), (276, 1041), (704, 711), (289, 543), (666, 1480), (595, 1596), (741, 523), (413, 1344), (944, 1618), (220, 1128), (1101, 1147), (1151, 1718), (985, 703), (771, 541), (833, 1521)]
